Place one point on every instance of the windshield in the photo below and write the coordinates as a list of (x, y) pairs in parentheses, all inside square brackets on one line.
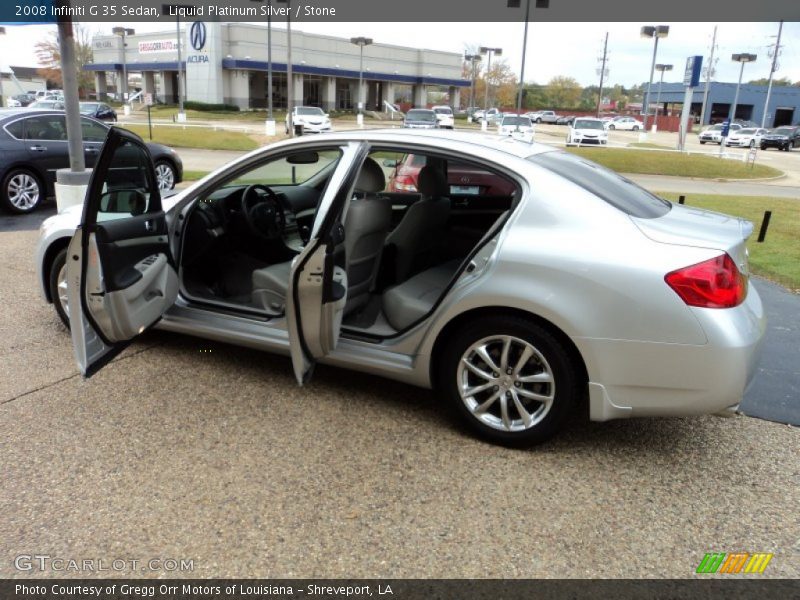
[(619, 192), (521, 121), (746, 131), (88, 108), (421, 115), (443, 111), (587, 124), (309, 110), (715, 128), (783, 130)]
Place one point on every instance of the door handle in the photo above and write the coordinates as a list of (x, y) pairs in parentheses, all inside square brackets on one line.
[(89, 150), (150, 226), (38, 148)]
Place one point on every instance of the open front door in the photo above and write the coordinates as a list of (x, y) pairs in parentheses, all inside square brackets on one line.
[(121, 276), (317, 290)]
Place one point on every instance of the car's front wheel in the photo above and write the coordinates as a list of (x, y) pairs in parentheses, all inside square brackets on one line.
[(58, 286), (509, 380), (636, 128), (21, 192), (165, 175)]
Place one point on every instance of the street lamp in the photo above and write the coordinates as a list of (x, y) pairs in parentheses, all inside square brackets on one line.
[(660, 68), (361, 42), (472, 59), (289, 83), (743, 59), (270, 125), (489, 51), (2, 98), (124, 31), (516, 4), (165, 9), (656, 32)]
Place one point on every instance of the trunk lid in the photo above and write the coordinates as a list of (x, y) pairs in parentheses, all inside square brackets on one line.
[(688, 226)]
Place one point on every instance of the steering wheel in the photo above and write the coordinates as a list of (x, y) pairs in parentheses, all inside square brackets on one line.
[(263, 212)]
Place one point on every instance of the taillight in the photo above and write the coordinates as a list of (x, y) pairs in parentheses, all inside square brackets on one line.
[(404, 182), (714, 283)]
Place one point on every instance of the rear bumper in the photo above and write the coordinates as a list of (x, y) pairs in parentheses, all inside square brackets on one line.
[(649, 379)]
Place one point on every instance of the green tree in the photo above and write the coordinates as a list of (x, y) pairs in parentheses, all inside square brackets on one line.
[(563, 92), (780, 82)]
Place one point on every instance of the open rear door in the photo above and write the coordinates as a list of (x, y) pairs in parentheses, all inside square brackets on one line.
[(317, 290), (121, 276)]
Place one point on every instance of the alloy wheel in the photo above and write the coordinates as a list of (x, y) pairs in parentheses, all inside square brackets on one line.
[(63, 298), (506, 383), (22, 191), (165, 177)]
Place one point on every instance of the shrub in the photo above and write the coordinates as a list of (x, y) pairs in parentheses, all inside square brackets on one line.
[(205, 107)]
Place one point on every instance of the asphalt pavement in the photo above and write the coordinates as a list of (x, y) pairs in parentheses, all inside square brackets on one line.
[(187, 449)]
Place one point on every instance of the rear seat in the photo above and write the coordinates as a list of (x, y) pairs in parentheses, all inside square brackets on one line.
[(409, 301)]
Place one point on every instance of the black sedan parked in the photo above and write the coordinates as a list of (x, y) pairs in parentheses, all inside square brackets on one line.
[(782, 138), (33, 146), (99, 111)]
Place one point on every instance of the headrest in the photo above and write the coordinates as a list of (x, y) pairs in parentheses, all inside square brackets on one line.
[(432, 182), (371, 179)]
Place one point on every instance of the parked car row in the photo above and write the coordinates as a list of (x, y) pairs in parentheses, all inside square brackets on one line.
[(33, 146), (742, 136)]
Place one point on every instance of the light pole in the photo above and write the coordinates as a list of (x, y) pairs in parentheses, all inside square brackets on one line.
[(2, 97), (361, 42), (660, 68), (516, 4), (166, 9), (270, 123), (489, 51), (123, 32), (472, 58), (743, 59), (289, 83), (772, 70), (656, 32)]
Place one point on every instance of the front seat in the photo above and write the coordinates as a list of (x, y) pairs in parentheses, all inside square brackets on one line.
[(367, 223), (413, 242)]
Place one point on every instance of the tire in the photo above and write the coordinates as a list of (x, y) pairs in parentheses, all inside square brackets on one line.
[(611, 127), (636, 128), (763, 147), (702, 142), (752, 143), (22, 191), (539, 120), (57, 290), (548, 359), (165, 175)]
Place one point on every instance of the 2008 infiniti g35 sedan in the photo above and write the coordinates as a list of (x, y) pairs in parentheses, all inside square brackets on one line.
[(535, 278)]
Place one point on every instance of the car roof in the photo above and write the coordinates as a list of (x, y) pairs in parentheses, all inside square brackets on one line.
[(463, 140), (7, 114)]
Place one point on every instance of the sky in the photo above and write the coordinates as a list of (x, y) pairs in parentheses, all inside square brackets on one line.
[(570, 49)]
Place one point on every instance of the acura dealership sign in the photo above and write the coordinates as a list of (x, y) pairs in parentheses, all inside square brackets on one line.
[(197, 35)]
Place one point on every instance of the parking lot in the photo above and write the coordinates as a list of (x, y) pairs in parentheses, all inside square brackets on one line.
[(187, 449)]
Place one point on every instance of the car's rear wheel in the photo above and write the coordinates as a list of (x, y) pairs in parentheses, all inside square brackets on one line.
[(702, 142), (21, 192), (509, 380), (165, 175), (58, 286), (636, 128)]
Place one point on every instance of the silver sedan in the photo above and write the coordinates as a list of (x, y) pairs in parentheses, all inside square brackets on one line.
[(514, 278)]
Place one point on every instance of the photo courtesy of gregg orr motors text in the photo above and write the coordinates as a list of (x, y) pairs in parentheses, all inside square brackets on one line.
[(41, 563)]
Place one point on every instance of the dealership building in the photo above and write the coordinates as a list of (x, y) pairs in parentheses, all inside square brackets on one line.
[(227, 63), (783, 109)]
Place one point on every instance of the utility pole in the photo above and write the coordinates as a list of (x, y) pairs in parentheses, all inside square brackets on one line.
[(602, 75), (772, 70), (709, 74)]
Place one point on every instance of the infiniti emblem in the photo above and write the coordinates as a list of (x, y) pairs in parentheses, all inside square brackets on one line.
[(197, 35)]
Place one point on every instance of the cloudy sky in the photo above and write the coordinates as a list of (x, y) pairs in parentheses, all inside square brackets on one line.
[(553, 48)]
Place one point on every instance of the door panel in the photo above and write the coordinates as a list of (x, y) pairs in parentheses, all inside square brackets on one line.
[(317, 291), (120, 271)]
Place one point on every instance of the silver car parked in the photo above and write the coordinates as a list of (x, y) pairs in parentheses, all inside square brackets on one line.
[(534, 278)]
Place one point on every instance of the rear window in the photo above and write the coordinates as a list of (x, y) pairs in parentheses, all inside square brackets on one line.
[(619, 192)]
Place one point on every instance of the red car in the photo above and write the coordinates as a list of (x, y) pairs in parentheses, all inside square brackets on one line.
[(464, 180)]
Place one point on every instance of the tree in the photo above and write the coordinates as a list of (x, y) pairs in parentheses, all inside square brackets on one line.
[(502, 85), (48, 54), (563, 92), (781, 82)]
